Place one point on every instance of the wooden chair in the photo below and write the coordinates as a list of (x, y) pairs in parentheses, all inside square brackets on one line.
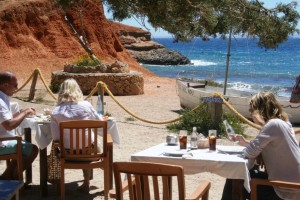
[(138, 181), (255, 182), (69, 157), (17, 155)]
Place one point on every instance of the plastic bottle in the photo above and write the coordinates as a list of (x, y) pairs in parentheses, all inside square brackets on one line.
[(194, 139), (99, 106), (230, 132), (228, 127)]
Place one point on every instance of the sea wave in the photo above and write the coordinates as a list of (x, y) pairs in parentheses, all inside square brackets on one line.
[(278, 90), (202, 63)]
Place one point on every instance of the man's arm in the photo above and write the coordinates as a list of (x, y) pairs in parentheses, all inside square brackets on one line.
[(17, 119)]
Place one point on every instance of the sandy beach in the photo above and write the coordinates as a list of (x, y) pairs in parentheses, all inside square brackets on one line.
[(159, 103)]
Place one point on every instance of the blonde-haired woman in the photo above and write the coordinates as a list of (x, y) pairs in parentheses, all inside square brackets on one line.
[(276, 143), (71, 106)]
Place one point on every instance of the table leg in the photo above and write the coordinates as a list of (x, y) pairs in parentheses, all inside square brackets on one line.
[(43, 172), (28, 173), (237, 189), (110, 152)]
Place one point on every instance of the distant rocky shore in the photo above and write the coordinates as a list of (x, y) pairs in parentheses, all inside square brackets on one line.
[(140, 46)]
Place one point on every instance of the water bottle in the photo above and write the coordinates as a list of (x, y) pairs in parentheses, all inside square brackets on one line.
[(194, 139), (228, 127), (230, 132), (99, 106)]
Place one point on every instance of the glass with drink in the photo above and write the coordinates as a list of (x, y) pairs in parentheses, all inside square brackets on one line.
[(212, 139), (183, 139)]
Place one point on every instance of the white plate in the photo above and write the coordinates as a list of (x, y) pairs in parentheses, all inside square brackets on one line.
[(231, 149), (176, 152)]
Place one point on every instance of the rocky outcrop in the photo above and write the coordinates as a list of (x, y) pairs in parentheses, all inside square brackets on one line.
[(34, 34), (139, 44)]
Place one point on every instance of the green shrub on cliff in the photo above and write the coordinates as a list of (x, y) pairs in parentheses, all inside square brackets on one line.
[(85, 60)]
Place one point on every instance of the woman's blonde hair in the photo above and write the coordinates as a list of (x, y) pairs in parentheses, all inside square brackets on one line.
[(268, 107), (69, 92)]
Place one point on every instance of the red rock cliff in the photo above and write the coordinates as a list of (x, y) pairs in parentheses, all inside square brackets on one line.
[(34, 34)]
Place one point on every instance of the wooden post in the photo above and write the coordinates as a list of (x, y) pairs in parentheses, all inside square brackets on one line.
[(215, 113), (33, 84), (215, 107)]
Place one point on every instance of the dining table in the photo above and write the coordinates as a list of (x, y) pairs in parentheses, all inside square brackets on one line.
[(40, 124), (226, 161)]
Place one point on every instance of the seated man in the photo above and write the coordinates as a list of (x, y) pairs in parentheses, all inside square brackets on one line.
[(9, 121)]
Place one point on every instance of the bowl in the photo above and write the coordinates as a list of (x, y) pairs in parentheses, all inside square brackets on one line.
[(172, 139)]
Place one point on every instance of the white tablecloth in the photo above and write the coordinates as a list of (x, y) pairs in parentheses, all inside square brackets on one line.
[(203, 160), (43, 131), (43, 135)]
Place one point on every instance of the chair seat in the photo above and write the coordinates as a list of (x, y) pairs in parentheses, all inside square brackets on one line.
[(10, 188), (13, 151)]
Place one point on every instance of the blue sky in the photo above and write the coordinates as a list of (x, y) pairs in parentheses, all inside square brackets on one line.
[(161, 33)]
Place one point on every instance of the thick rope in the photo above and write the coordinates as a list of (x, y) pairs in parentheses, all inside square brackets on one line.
[(132, 114), (104, 87), (245, 120), (93, 91), (26, 82), (46, 86)]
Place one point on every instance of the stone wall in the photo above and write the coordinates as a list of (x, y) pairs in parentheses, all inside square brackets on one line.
[(131, 83)]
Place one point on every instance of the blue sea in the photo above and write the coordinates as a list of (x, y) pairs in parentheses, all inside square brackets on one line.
[(251, 68)]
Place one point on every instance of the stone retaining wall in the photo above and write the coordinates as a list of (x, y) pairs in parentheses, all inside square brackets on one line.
[(121, 84)]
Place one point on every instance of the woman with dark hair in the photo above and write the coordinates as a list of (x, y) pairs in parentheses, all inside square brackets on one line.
[(277, 145)]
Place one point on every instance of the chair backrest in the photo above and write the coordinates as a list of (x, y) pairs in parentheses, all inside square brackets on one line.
[(139, 180), (83, 135), (15, 155)]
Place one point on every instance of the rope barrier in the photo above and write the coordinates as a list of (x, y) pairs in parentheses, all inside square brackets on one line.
[(26, 82), (135, 116), (46, 86), (105, 88)]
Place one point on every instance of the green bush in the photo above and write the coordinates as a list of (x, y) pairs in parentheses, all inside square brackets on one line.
[(201, 119), (85, 60)]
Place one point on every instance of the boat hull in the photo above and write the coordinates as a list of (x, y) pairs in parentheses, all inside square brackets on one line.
[(190, 98)]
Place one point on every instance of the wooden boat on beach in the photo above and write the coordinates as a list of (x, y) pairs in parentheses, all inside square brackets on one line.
[(190, 95)]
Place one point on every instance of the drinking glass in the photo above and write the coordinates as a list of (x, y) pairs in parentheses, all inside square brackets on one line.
[(212, 139), (183, 139)]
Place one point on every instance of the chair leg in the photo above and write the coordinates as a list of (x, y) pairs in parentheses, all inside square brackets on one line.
[(206, 195), (62, 184), (106, 181)]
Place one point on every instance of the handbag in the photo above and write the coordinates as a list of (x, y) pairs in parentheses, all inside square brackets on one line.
[(53, 163)]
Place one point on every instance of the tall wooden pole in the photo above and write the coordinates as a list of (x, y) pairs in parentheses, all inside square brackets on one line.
[(227, 61)]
